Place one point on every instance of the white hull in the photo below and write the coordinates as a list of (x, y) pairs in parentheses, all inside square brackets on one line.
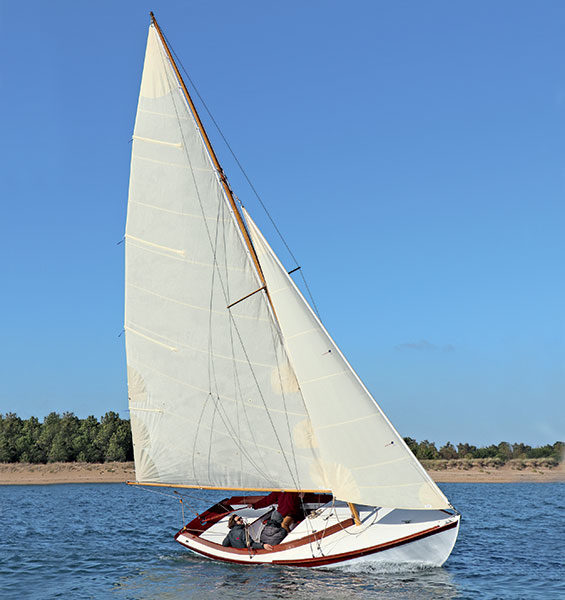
[(423, 537)]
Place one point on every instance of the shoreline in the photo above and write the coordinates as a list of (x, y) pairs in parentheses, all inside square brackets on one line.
[(120, 472)]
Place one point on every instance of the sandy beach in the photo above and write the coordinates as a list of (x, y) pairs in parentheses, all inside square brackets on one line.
[(116, 472), (25, 473), (499, 475)]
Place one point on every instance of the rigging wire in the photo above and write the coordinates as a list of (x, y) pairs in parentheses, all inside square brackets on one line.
[(217, 126), (181, 501)]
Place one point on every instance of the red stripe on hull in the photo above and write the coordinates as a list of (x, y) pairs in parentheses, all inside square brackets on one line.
[(328, 560)]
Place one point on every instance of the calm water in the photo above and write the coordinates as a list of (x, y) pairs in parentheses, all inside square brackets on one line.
[(113, 541)]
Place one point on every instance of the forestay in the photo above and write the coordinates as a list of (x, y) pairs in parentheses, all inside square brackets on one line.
[(363, 457), (213, 400)]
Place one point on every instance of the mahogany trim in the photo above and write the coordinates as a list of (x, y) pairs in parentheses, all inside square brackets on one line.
[(308, 539), (314, 537), (225, 507)]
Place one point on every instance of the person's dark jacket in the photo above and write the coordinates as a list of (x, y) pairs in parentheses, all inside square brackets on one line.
[(272, 533), (236, 538)]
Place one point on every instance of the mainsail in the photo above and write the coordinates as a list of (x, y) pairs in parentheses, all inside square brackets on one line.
[(213, 400), (251, 394)]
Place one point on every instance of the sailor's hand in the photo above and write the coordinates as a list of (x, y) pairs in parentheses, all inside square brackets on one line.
[(267, 547)]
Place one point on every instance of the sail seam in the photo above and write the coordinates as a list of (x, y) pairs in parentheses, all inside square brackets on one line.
[(391, 485), (171, 164), (345, 422), (169, 210), (295, 335), (324, 377), (154, 245), (181, 259), (161, 142), (201, 308), (180, 417), (159, 114), (223, 396), (188, 347), (171, 348), (380, 464)]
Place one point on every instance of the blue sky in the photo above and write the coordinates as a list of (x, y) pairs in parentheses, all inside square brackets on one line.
[(411, 153)]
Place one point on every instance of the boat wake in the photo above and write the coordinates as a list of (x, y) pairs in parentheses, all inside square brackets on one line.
[(380, 567)]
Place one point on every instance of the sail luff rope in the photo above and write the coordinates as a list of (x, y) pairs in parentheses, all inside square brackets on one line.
[(240, 166)]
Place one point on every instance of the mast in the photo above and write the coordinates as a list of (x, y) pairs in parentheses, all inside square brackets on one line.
[(217, 165)]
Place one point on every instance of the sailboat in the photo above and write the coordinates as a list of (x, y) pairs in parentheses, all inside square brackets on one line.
[(233, 381)]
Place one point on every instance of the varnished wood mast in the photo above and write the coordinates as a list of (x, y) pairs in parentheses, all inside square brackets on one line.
[(216, 162)]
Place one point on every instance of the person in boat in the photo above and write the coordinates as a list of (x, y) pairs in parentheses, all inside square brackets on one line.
[(238, 537), (289, 507), (272, 532)]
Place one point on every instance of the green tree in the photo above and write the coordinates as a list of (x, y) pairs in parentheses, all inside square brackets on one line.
[(426, 451), (114, 438), (70, 425), (10, 432), (28, 443), (466, 450), (49, 429), (85, 441), (448, 451), (120, 446), (59, 450), (504, 451), (115, 450), (520, 450), (540, 452), (486, 452), (412, 444)]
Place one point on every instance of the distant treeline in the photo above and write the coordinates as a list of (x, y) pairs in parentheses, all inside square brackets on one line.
[(65, 439), (504, 451), (68, 439)]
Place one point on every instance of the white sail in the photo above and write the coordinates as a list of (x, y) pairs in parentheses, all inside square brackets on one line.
[(363, 457), (213, 399)]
